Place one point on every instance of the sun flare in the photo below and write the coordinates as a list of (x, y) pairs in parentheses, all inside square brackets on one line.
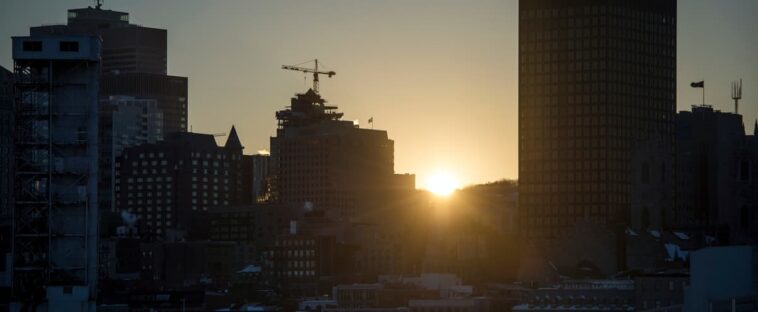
[(442, 184)]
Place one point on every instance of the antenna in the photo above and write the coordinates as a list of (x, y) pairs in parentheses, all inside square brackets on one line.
[(737, 95), (98, 4)]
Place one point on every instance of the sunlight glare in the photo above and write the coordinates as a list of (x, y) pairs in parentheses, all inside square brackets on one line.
[(442, 184)]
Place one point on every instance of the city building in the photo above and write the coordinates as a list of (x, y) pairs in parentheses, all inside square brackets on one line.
[(6, 143), (6, 181), (581, 295), (165, 183), (134, 61), (124, 122), (723, 279), (331, 163), (716, 183), (661, 291), (56, 171), (260, 178), (596, 82)]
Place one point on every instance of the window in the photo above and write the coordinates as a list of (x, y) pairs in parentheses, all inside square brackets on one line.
[(33, 46), (69, 46)]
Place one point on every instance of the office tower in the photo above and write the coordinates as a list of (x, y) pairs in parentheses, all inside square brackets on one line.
[(596, 83), (55, 214), (165, 183), (134, 61), (124, 122), (332, 164), (260, 183)]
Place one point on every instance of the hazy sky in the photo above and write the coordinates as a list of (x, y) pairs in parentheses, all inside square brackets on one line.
[(439, 76)]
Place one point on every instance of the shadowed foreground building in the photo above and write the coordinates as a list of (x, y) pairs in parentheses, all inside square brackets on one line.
[(166, 182), (55, 213), (596, 82), (134, 61), (318, 158)]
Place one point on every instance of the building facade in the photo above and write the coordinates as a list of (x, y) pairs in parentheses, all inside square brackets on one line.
[(333, 164), (55, 213), (124, 122), (134, 61), (6, 142), (716, 178), (166, 182), (596, 81)]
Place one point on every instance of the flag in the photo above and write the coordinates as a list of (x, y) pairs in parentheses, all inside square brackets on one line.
[(699, 84), (371, 120)]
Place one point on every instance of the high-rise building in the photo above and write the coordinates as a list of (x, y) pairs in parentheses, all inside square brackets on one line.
[(134, 61), (165, 183), (596, 83), (124, 122), (56, 170), (332, 164)]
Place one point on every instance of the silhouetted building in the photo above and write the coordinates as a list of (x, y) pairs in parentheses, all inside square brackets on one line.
[(6, 142), (717, 184), (6, 181), (56, 171), (302, 265), (333, 164), (166, 182), (596, 84), (663, 291), (134, 61), (260, 178), (124, 122)]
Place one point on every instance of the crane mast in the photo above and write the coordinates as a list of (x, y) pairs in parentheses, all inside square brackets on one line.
[(313, 70)]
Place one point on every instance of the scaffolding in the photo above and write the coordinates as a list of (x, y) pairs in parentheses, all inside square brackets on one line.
[(54, 218)]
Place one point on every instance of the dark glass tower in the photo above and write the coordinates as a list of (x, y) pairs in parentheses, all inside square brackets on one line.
[(597, 84)]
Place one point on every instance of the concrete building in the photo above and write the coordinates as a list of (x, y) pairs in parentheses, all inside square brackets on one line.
[(124, 122), (55, 213), (596, 82), (134, 61), (165, 183), (723, 279), (716, 180), (318, 158)]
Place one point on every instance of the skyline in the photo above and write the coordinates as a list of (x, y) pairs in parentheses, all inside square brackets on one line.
[(472, 83)]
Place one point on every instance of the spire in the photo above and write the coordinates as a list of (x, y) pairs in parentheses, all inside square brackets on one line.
[(233, 141)]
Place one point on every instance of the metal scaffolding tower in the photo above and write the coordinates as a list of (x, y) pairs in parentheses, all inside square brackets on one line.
[(55, 214)]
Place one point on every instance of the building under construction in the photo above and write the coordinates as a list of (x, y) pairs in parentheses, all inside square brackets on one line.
[(55, 214)]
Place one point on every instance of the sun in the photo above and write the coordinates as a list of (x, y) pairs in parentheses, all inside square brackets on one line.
[(442, 184)]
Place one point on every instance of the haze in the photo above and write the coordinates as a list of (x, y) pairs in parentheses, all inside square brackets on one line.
[(439, 76)]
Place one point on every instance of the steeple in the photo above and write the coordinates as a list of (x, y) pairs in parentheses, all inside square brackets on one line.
[(233, 141)]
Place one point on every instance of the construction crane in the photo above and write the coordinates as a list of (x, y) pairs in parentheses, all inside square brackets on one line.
[(314, 70)]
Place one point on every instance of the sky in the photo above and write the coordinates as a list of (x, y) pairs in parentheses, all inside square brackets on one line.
[(440, 76)]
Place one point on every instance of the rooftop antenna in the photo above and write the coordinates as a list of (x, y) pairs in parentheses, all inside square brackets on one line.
[(98, 4), (737, 95)]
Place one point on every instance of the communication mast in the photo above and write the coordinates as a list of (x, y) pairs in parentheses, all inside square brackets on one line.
[(737, 95)]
